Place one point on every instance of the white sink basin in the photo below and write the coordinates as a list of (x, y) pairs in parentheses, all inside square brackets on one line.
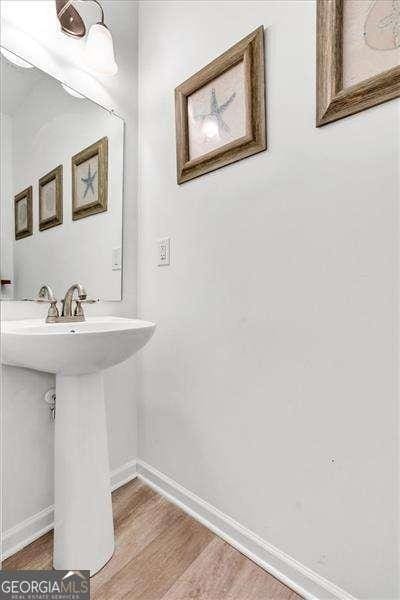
[(73, 348), (78, 353)]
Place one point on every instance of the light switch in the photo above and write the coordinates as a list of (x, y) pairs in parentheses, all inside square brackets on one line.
[(116, 259), (163, 252)]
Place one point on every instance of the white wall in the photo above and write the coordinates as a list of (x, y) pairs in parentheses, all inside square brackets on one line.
[(269, 388), (49, 127), (6, 207), (29, 28)]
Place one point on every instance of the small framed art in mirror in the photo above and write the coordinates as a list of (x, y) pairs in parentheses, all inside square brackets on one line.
[(23, 214), (89, 180), (51, 199)]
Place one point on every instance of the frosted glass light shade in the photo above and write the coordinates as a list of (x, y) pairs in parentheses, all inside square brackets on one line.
[(100, 50)]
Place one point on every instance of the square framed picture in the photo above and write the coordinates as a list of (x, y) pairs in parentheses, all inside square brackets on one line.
[(51, 199), (90, 180), (358, 56), (23, 214), (220, 111)]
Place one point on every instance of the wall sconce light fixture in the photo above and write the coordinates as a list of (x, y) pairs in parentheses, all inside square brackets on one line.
[(99, 43)]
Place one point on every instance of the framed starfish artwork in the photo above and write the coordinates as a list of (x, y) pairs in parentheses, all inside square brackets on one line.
[(358, 56), (23, 214), (90, 180), (220, 111), (51, 199)]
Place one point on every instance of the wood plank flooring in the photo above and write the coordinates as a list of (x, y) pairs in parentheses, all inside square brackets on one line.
[(163, 554)]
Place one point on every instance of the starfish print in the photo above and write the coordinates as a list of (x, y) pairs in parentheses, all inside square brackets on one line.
[(216, 110), (88, 181)]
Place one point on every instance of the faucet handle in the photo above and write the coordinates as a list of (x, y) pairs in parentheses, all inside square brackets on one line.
[(52, 313), (79, 309), (45, 300)]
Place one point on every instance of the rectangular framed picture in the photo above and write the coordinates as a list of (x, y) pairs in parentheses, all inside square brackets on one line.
[(358, 56), (90, 180), (220, 111), (51, 199), (23, 214)]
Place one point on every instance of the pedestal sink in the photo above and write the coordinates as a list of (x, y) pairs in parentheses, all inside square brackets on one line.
[(78, 353)]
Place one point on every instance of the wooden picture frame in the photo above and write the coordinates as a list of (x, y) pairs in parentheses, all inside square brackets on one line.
[(250, 51), (334, 102), (23, 228), (52, 215), (96, 182)]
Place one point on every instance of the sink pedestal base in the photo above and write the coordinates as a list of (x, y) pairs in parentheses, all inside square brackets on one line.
[(83, 529)]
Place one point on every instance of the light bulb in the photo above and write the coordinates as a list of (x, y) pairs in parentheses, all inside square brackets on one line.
[(71, 91), (100, 50), (16, 60), (210, 128)]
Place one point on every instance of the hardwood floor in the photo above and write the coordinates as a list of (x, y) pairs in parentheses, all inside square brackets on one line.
[(163, 554)]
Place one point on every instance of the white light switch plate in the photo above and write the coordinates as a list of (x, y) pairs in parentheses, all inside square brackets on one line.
[(163, 251)]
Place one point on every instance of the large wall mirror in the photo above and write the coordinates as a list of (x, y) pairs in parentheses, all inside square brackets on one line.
[(61, 188)]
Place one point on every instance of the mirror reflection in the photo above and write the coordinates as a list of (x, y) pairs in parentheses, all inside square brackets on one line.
[(61, 188)]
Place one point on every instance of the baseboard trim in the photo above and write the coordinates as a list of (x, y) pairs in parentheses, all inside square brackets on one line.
[(289, 571), (26, 532), (123, 474)]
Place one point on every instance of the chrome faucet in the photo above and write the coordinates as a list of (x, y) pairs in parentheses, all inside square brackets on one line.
[(68, 315), (67, 303)]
